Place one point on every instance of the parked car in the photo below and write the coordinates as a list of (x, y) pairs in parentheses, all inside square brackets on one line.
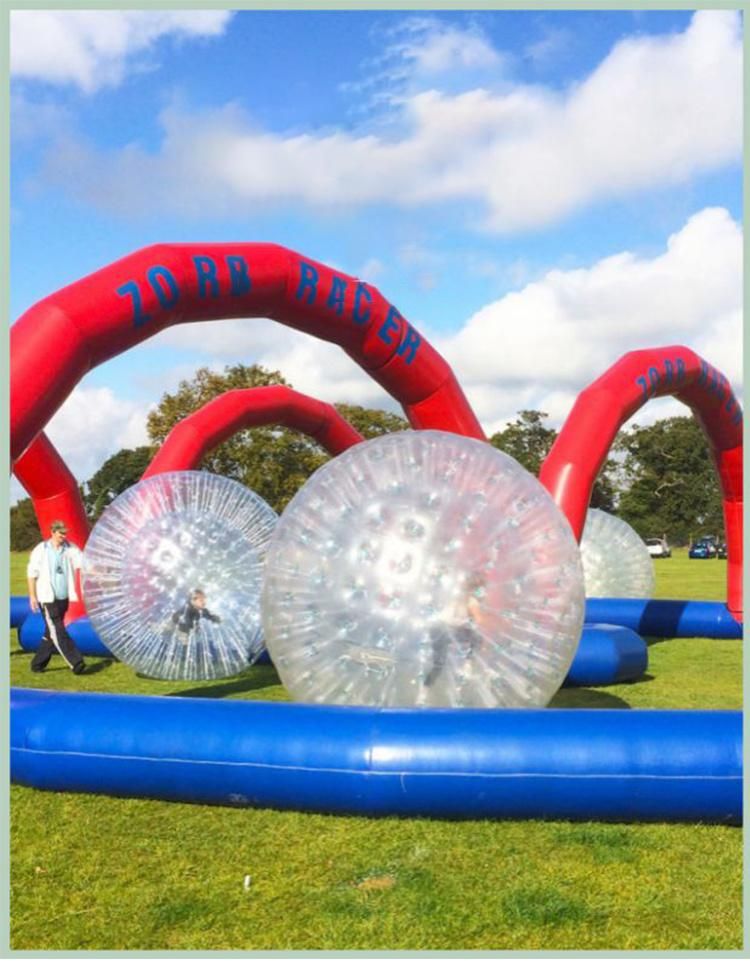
[(658, 548), (721, 549), (711, 542), (702, 549)]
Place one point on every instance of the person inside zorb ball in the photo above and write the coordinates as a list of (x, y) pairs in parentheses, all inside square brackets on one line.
[(172, 576), (423, 569)]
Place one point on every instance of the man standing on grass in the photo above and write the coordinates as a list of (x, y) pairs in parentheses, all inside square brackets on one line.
[(52, 584)]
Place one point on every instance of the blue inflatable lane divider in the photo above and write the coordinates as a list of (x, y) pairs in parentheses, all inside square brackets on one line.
[(517, 764), (19, 610), (607, 655), (81, 632), (666, 617)]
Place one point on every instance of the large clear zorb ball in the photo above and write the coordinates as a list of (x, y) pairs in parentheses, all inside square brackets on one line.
[(616, 563), (423, 569), (172, 576)]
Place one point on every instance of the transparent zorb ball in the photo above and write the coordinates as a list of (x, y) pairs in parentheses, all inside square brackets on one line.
[(172, 576), (423, 569), (616, 562)]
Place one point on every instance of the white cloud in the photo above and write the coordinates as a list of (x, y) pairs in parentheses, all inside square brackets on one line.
[(429, 48), (539, 346), (548, 47), (312, 366), (657, 111), (92, 425), (92, 49), (420, 51)]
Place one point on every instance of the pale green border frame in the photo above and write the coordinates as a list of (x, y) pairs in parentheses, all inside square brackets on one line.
[(331, 5)]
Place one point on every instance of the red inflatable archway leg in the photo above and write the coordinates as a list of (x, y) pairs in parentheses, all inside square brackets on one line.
[(131, 300), (55, 496), (233, 411), (600, 410)]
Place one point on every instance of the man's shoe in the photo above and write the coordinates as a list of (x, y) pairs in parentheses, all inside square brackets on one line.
[(38, 670), (79, 668)]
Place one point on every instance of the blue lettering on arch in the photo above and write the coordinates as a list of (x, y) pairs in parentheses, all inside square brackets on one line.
[(640, 380), (654, 378), (361, 315), (308, 282), (680, 369), (155, 275), (410, 343), (704, 374), (668, 371), (337, 294), (205, 268), (131, 289), (391, 325), (239, 275)]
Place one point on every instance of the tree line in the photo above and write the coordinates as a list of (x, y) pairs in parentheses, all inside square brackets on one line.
[(659, 478)]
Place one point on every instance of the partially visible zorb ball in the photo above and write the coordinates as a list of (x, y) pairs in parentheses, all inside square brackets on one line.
[(423, 568), (616, 563), (172, 575)]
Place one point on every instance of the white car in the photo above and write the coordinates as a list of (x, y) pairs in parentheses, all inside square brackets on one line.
[(658, 548)]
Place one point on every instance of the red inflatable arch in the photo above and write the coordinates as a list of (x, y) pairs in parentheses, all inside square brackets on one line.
[(233, 411), (53, 489), (54, 495), (600, 410), (123, 304)]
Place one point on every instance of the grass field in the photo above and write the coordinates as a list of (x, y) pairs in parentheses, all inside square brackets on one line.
[(93, 873)]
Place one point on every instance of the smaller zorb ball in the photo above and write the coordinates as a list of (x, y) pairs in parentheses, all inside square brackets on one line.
[(423, 569), (172, 576), (616, 563)]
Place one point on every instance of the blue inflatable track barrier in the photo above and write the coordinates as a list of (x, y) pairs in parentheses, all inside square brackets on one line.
[(81, 632), (605, 655), (610, 765), (19, 610), (666, 617)]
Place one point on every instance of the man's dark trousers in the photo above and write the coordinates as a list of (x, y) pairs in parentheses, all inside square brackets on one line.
[(55, 637)]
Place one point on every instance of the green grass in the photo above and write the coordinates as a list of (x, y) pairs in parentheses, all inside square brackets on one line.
[(91, 872)]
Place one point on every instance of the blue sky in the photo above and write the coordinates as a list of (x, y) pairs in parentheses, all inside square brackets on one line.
[(538, 191)]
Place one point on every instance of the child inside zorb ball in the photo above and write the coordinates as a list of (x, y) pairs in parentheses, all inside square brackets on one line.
[(423, 569), (143, 560), (189, 616)]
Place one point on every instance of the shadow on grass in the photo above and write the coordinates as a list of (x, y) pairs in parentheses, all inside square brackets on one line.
[(97, 666), (254, 680), (586, 697)]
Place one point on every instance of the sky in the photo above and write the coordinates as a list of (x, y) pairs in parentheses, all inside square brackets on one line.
[(538, 192)]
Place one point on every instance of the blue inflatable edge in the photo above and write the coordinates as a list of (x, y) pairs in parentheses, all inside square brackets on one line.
[(667, 618), (604, 765), (19, 610), (605, 655)]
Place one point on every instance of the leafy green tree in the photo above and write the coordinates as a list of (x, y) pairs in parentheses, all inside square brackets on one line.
[(672, 486), (529, 440), (371, 422), (24, 529), (113, 477)]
